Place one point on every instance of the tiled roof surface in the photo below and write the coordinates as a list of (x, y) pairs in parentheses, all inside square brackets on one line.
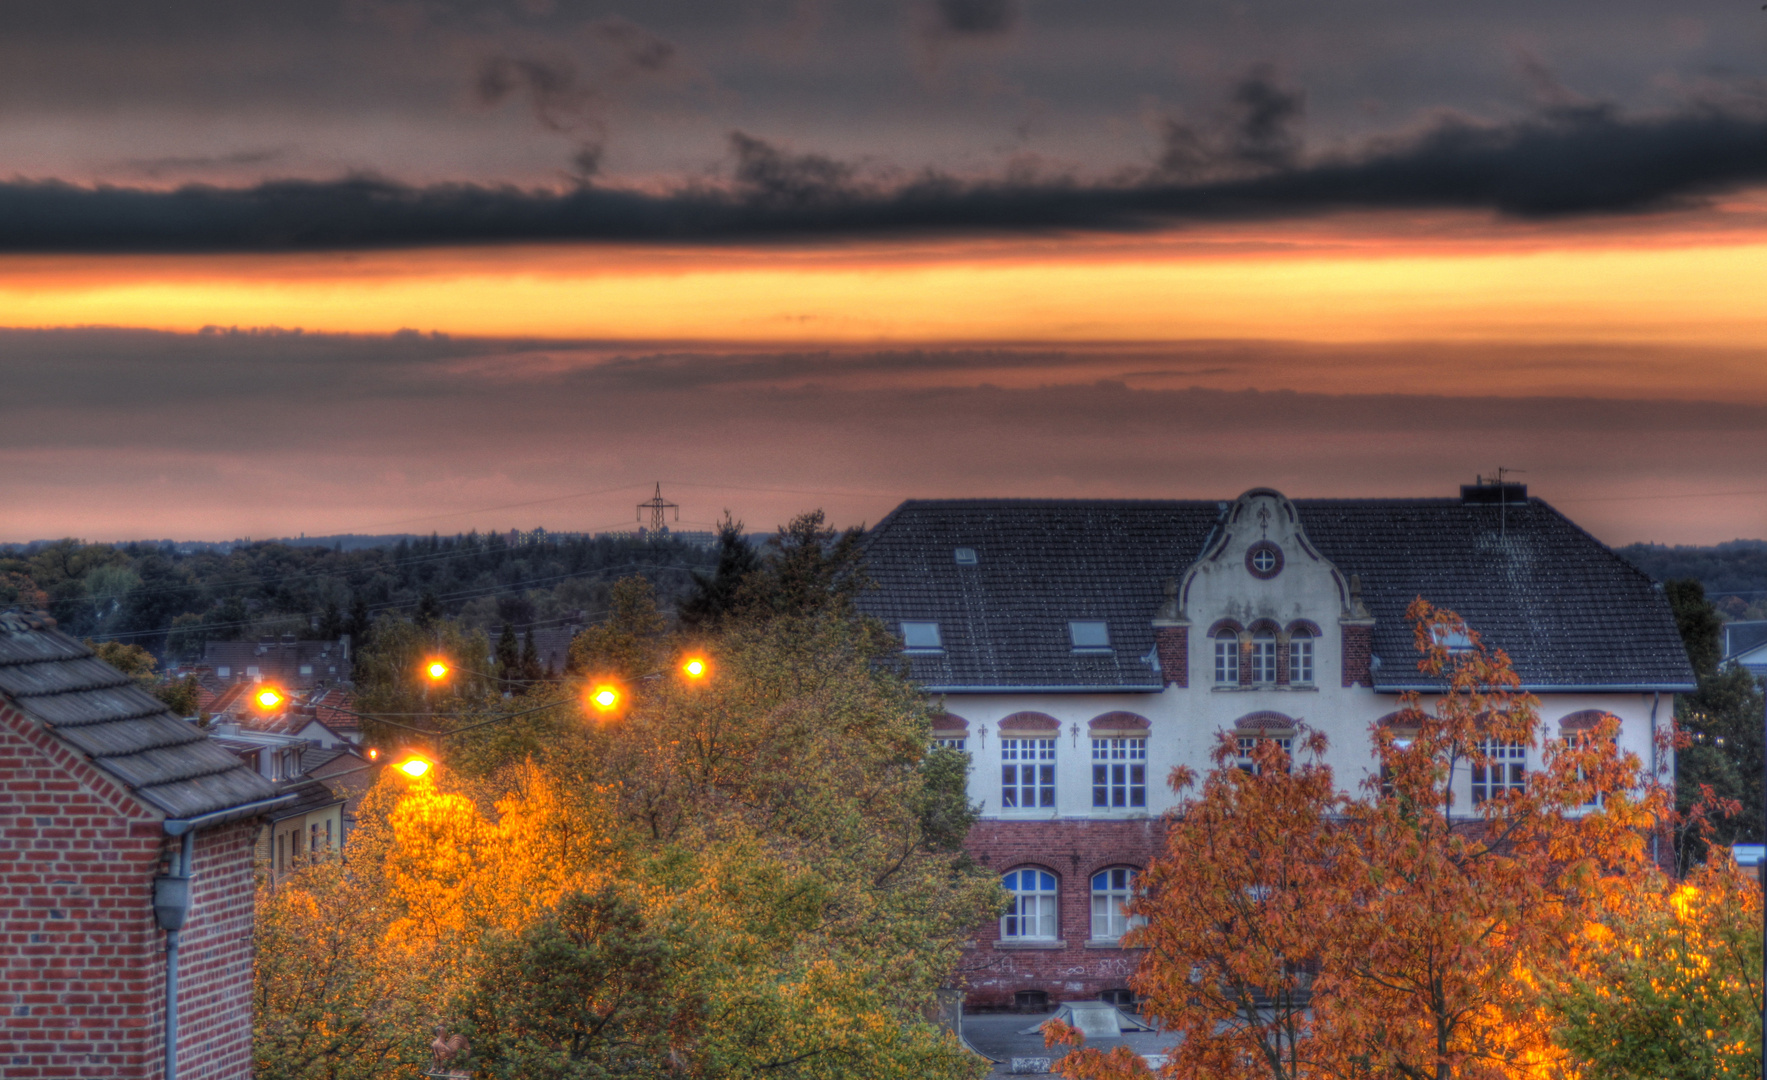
[(1741, 637), (1570, 612), (1039, 564), (125, 731), (309, 795)]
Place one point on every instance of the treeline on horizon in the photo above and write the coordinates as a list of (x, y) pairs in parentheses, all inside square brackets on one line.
[(172, 598), (171, 601)]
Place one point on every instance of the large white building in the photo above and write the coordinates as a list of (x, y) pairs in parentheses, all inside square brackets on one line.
[(1085, 648)]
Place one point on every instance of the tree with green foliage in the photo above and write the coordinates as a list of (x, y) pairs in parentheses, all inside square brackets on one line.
[(809, 568), (1669, 986), (768, 863), (586, 991), (181, 696), (715, 596), (1722, 725)]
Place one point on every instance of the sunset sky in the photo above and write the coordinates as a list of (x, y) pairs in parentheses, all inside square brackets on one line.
[(415, 265)]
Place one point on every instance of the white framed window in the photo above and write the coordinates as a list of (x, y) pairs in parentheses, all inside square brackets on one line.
[(1119, 774), (1506, 770), (1227, 658), (921, 637), (1032, 914), (1455, 641), (961, 745), (1596, 798), (1300, 658), (1264, 657), (1111, 891), (1247, 741), (224, 671), (1027, 773), (1089, 636)]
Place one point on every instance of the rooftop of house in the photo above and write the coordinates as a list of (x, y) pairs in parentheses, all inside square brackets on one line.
[(96, 710), (1570, 612), (309, 795), (1742, 637)]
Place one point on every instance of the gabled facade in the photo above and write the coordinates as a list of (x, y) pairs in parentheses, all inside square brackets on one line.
[(127, 845), (1083, 649)]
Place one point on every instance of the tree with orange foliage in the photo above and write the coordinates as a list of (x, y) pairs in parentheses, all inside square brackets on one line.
[(1417, 916)]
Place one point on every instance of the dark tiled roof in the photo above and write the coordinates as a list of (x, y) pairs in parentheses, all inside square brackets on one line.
[(309, 795), (1570, 612), (1039, 564), (98, 711), (1740, 637)]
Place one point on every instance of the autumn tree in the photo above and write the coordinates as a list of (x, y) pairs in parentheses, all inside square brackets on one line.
[(768, 864), (1418, 916)]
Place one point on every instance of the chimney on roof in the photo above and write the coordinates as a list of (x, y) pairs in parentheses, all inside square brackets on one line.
[(1493, 492)]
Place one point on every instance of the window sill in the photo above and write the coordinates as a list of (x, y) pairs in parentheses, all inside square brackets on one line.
[(1121, 812), (1048, 946), (1105, 943)]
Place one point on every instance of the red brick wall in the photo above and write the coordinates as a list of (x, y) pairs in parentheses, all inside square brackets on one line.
[(215, 958), (82, 962), (1358, 647), (1173, 645), (1073, 850)]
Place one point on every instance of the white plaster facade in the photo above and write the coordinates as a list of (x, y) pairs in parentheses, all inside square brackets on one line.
[(1187, 721)]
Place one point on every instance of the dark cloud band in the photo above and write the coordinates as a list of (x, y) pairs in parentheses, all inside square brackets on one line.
[(1571, 162)]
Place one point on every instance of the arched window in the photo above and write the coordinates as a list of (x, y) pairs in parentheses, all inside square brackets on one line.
[(1032, 914), (1300, 657), (1264, 657), (1227, 658), (1111, 890)]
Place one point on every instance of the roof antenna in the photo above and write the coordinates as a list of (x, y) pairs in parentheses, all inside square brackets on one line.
[(1502, 497)]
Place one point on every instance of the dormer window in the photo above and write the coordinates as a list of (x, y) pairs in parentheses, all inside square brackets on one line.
[(921, 637), (1090, 636), (966, 556), (1455, 641)]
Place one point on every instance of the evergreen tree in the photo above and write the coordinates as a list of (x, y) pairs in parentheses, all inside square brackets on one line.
[(530, 662), (508, 657), (716, 596), (1723, 719)]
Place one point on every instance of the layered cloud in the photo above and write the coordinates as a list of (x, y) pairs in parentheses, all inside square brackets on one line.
[(230, 434), (1578, 161)]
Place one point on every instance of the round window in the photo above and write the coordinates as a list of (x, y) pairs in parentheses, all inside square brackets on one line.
[(1264, 559)]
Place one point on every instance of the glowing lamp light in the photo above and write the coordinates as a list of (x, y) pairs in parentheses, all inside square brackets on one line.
[(694, 668), (604, 698), (413, 767), (268, 698), (437, 669)]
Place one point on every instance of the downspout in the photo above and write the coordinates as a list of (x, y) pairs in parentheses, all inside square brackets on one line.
[(1656, 697), (171, 903), (171, 900)]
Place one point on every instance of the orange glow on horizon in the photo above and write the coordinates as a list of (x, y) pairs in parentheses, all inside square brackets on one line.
[(1322, 287)]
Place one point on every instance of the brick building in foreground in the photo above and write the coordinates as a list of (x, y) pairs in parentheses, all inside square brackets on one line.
[(1084, 648), (126, 839)]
